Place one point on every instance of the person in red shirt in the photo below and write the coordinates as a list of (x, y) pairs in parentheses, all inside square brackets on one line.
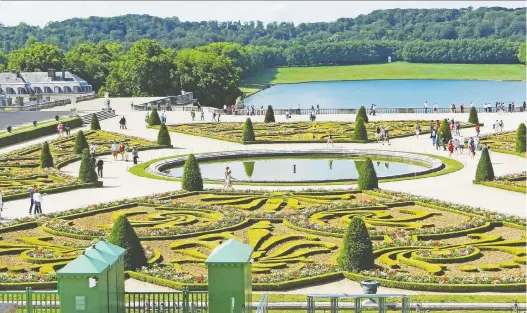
[(450, 148), (477, 130)]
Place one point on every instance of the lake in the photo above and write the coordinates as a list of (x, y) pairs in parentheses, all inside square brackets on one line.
[(389, 93), (295, 169)]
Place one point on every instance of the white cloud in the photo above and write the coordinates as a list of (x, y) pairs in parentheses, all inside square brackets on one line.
[(41, 12)]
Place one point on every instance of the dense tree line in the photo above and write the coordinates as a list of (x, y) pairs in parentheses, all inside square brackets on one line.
[(393, 24)]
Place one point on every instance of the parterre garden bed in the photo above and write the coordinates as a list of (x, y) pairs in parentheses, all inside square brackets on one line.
[(419, 243), (504, 142), (299, 131), (513, 182), (19, 169)]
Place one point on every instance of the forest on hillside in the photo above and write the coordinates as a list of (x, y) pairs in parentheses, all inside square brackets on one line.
[(392, 24)]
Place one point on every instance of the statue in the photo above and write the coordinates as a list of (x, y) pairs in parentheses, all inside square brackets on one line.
[(239, 103)]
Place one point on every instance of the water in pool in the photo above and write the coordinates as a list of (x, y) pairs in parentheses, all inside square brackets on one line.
[(295, 169), (388, 93)]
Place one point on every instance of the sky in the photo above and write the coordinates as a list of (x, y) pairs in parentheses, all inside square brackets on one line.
[(38, 13)]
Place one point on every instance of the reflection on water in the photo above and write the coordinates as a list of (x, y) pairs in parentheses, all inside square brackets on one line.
[(290, 169)]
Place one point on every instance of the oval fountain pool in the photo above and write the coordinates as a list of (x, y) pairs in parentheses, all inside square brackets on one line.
[(315, 166)]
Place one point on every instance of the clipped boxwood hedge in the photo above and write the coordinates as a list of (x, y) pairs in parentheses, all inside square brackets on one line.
[(37, 132)]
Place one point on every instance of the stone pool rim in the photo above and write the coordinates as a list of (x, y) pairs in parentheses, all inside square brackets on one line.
[(434, 164)]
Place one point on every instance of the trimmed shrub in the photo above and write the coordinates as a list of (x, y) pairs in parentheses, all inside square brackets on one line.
[(87, 172), (269, 115), (191, 180), (248, 131), (473, 117), (80, 143), (444, 130), (94, 123), (484, 172), (367, 176), (362, 114), (356, 253), (249, 168), (46, 160), (39, 131), (359, 132), (489, 268), (124, 236), (520, 139), (468, 268), (154, 119), (163, 137)]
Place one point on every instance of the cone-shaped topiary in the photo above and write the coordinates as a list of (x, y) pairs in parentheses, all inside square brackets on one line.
[(269, 115), (80, 143), (249, 168), (359, 133), (520, 139), (473, 117), (46, 160), (358, 165), (484, 172), (154, 119), (367, 176), (356, 252), (94, 123), (444, 130), (248, 131), (124, 236), (191, 180), (163, 137), (362, 113), (87, 172)]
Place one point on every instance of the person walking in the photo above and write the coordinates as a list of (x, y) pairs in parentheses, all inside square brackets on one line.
[(450, 148), (445, 143), (437, 138), (378, 134), (476, 143), (218, 118), (93, 150), (60, 129), (501, 126), (127, 151), (115, 150), (417, 130), (431, 128), (121, 150), (124, 122), (192, 115), (135, 155), (426, 107), (214, 116), (202, 115), (477, 130), (435, 107), (67, 128), (37, 199), (100, 164), (433, 136), (386, 137), (31, 195), (330, 141), (228, 179)]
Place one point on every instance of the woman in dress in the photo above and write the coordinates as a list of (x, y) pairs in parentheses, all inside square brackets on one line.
[(228, 179)]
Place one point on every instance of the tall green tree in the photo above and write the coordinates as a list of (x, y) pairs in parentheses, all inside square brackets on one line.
[(367, 176), (94, 123), (87, 172), (248, 131), (123, 235), (269, 115), (356, 252), (521, 53), (520, 139), (3, 61), (37, 57), (191, 180), (80, 143), (147, 69), (484, 171), (46, 160), (359, 132), (163, 136)]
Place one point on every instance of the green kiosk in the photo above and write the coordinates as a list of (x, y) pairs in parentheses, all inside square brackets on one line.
[(230, 286), (93, 282)]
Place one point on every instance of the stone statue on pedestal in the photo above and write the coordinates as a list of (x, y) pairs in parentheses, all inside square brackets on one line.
[(239, 103)]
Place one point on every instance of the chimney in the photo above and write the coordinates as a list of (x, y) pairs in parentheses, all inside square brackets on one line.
[(51, 74)]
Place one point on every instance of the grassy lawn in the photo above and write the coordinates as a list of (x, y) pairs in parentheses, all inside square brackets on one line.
[(458, 298), (397, 70)]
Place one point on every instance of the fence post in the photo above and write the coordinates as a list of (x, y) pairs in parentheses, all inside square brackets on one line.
[(185, 300), (29, 300)]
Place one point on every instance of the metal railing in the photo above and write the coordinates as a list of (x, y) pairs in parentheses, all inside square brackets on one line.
[(263, 304), (358, 305), (30, 301)]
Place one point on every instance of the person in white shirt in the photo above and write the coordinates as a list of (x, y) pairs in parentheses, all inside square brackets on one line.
[(471, 104), (37, 199), (92, 150), (435, 107), (115, 150), (426, 106)]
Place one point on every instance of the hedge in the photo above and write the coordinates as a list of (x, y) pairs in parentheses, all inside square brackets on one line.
[(54, 190), (501, 186), (37, 132)]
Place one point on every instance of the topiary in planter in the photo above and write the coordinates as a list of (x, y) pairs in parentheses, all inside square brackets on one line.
[(444, 130), (163, 137), (520, 139), (359, 132), (46, 160), (356, 252), (94, 123), (269, 115), (191, 180), (154, 119), (80, 143), (248, 131), (484, 172), (367, 176), (87, 172), (249, 168), (361, 114), (124, 236), (473, 117)]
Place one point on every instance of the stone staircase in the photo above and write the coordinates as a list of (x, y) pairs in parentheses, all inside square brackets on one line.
[(101, 115)]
